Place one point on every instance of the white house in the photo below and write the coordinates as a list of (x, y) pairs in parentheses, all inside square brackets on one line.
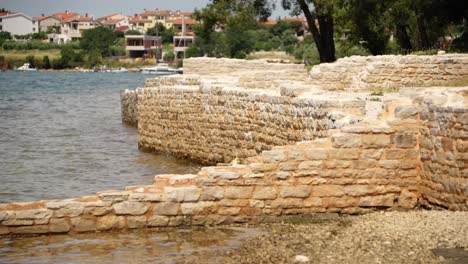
[(116, 23), (18, 24)]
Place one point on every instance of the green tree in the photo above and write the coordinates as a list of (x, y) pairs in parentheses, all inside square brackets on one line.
[(133, 32), (31, 61), (46, 62), (99, 38), (94, 58), (169, 56)]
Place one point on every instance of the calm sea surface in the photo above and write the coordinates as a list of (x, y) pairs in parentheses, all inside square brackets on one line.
[(61, 136)]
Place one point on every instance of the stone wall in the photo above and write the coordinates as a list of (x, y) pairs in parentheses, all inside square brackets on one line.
[(351, 171), (444, 148), (128, 105), (212, 124), (389, 71)]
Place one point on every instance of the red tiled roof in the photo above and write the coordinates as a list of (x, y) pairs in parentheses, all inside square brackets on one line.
[(5, 14), (40, 18), (122, 28), (113, 21), (156, 13), (64, 15), (79, 19), (295, 19), (269, 22), (104, 17), (187, 21)]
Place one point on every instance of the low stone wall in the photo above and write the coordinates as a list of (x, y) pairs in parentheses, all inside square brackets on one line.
[(444, 147), (211, 124), (351, 171), (390, 71)]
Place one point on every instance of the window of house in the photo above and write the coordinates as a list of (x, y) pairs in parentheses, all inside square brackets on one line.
[(1, 27), (0, 20)]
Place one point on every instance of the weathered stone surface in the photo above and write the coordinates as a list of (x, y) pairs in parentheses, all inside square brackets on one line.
[(229, 175), (307, 165), (158, 221), (83, 224), (136, 221), (405, 141), (407, 199), (375, 141), (182, 194), (108, 222), (130, 208), (264, 193), (114, 196), (6, 215), (327, 190), (4, 230), (166, 208), (229, 210), (33, 214), (212, 193), (69, 210), (262, 167), (295, 191), (59, 225), (36, 229), (345, 140), (316, 154), (196, 208), (274, 156), (14, 222), (406, 111), (147, 197), (378, 200), (238, 192)]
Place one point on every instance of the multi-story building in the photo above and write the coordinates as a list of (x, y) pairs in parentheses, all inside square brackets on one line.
[(183, 34), (17, 24), (111, 17), (116, 23), (47, 22), (138, 46), (140, 24), (158, 16), (74, 27)]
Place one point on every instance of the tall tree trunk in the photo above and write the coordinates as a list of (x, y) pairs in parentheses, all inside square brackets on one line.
[(403, 39), (323, 36), (423, 39)]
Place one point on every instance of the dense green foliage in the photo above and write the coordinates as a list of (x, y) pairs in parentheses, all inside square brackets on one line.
[(161, 31), (98, 39)]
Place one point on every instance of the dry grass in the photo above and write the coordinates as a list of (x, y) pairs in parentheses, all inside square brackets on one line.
[(22, 54)]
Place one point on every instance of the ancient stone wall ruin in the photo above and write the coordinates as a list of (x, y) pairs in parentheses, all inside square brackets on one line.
[(389, 71)]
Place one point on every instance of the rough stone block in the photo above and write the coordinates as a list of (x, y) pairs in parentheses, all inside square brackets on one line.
[(405, 141), (389, 164), (238, 192), (212, 193), (33, 214), (262, 167), (182, 194), (147, 197), (6, 215), (327, 190), (130, 208), (313, 202), (196, 208), (344, 140), (228, 175), (229, 210), (166, 208), (289, 166), (406, 111), (375, 141), (310, 164), (113, 196), (14, 222), (136, 221), (36, 229), (407, 199), (295, 191), (316, 154), (287, 203), (83, 224), (344, 154), (158, 221), (264, 193), (59, 225), (274, 156), (108, 222), (378, 200)]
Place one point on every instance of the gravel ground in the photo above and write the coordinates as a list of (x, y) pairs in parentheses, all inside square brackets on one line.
[(380, 237)]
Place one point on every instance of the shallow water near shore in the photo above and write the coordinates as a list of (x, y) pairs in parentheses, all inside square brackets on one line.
[(137, 246), (61, 136)]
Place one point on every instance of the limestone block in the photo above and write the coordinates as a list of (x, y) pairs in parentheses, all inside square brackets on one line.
[(234, 202), (283, 175), (404, 141), (108, 222), (14, 222), (345, 154), (262, 167), (136, 221), (238, 192), (361, 190), (182, 194), (295, 191), (147, 197), (33, 214), (229, 175), (375, 141), (310, 164), (386, 200), (264, 193), (406, 111), (344, 140), (327, 190), (6, 215), (212, 193), (59, 225), (4, 230), (229, 210), (97, 211), (407, 199), (313, 202), (289, 166), (158, 221), (83, 224), (166, 208), (274, 156), (70, 210), (287, 203), (316, 154), (178, 220), (196, 208), (341, 202), (130, 208), (36, 229), (114, 196)]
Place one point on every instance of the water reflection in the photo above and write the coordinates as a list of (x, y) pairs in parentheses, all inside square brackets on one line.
[(137, 246)]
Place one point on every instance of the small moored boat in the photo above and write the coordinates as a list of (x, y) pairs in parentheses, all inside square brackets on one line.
[(26, 67)]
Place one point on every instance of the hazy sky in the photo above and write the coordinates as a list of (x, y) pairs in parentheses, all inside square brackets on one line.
[(99, 8)]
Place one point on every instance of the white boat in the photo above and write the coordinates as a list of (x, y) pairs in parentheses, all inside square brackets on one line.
[(119, 70), (26, 67), (161, 69)]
